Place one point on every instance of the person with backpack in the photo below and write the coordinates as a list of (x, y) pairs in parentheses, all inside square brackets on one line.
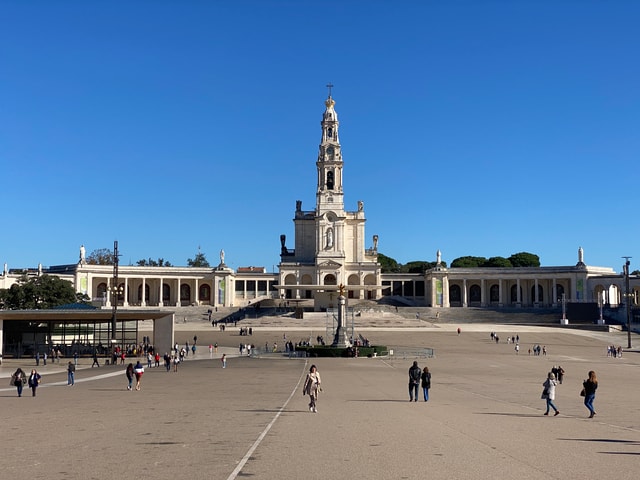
[(414, 381)]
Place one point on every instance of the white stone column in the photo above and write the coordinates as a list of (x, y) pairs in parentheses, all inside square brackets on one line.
[(464, 293), (518, 293), (178, 302), (160, 299), (500, 293), (143, 300), (125, 301), (554, 293), (536, 298), (196, 294), (483, 293), (445, 292)]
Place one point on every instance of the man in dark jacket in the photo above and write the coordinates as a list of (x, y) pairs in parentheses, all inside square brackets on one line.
[(414, 381)]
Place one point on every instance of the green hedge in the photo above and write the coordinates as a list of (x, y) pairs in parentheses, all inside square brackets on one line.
[(328, 351)]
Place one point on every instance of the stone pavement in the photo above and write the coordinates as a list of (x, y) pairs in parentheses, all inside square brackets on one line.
[(484, 418)]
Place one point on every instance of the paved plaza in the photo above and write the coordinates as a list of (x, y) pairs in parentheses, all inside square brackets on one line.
[(483, 420)]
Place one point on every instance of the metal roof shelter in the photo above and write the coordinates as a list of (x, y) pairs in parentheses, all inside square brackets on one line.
[(162, 336)]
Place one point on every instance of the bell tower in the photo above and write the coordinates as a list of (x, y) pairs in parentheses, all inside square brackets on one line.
[(329, 241), (329, 193)]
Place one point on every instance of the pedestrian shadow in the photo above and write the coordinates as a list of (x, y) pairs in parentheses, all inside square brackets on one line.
[(602, 440), (390, 400), (519, 415), (620, 453)]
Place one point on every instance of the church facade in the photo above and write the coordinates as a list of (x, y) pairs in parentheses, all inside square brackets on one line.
[(331, 254), (329, 250)]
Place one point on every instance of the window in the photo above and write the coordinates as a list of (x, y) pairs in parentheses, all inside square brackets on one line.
[(330, 180), (475, 293), (455, 293), (494, 294)]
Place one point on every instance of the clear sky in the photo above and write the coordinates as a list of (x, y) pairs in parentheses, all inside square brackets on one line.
[(475, 127)]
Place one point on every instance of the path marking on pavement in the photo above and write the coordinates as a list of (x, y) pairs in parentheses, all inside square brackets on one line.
[(255, 445)]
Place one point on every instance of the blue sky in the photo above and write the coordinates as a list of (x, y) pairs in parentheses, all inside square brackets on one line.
[(477, 127)]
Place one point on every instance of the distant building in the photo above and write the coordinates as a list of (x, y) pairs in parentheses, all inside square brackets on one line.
[(330, 250)]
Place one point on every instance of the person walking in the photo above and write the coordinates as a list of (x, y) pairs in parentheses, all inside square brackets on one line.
[(18, 379), (138, 370), (426, 383), (590, 385), (129, 373), (176, 361), (312, 387), (414, 381), (71, 374), (549, 393), (95, 359), (34, 381), (223, 359)]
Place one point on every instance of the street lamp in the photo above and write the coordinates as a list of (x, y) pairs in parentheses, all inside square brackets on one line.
[(627, 301), (116, 291)]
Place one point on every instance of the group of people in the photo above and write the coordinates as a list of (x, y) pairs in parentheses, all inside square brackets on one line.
[(589, 387), (613, 351), (419, 377), (19, 379), (134, 371)]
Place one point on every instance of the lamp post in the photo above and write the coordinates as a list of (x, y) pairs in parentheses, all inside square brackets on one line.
[(627, 300), (116, 291)]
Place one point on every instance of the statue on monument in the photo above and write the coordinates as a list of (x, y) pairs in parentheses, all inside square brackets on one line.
[(221, 257), (83, 253), (580, 255), (360, 205), (298, 205), (330, 238), (438, 258), (375, 242)]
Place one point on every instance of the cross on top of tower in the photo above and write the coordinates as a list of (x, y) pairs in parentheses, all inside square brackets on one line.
[(329, 86)]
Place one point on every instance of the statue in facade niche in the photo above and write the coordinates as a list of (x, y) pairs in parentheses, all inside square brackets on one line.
[(330, 238)]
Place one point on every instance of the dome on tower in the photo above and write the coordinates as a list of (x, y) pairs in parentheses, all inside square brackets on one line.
[(330, 113)]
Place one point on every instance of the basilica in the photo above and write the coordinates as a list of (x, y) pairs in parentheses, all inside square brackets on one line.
[(331, 254)]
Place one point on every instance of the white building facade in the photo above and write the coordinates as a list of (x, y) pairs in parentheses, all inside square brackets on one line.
[(330, 251)]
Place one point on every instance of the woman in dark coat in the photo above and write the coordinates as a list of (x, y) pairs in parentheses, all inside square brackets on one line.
[(34, 381), (590, 385), (129, 373), (426, 383)]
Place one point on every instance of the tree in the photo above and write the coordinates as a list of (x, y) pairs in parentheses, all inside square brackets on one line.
[(200, 260), (468, 262), (102, 256), (153, 263), (524, 259), (39, 293), (419, 266), (498, 262), (388, 264), (635, 272)]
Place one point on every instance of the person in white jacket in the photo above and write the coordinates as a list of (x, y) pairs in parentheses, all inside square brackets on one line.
[(312, 387), (549, 393)]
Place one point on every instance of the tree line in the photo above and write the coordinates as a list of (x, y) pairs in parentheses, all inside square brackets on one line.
[(522, 259)]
